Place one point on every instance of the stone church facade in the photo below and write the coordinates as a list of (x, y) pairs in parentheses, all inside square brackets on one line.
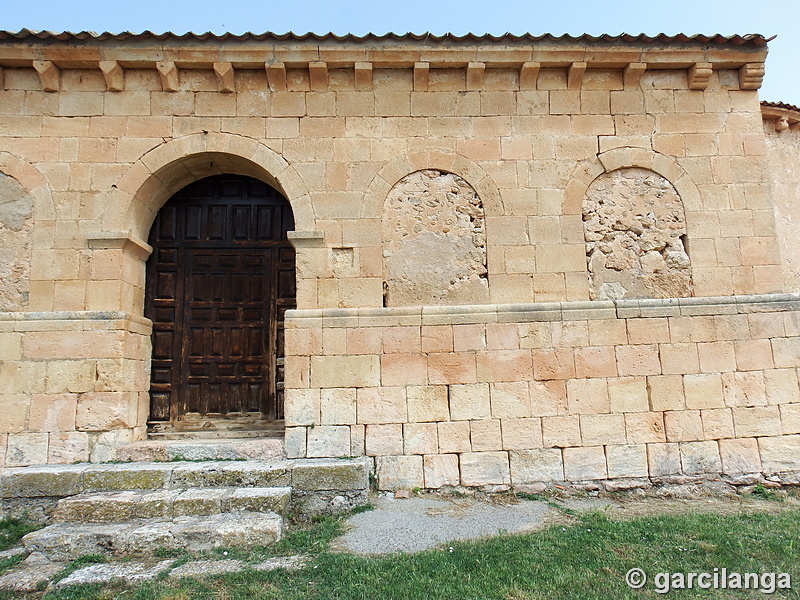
[(478, 260)]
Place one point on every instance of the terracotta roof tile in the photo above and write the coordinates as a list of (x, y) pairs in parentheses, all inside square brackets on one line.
[(28, 36)]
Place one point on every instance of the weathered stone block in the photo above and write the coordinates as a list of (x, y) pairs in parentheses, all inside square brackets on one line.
[(739, 456), (510, 399), (258, 500), (337, 406), (199, 502), (561, 431), (485, 468), (628, 394), (441, 470), (52, 412), (128, 476), (103, 411), (700, 457), (542, 464), (602, 429), (587, 396), (27, 449), (454, 436), (427, 403), (757, 421), (48, 481), (399, 472), (780, 453), (644, 427), (717, 423), (781, 386), (314, 475), (744, 389), (683, 425), (470, 401), (345, 371), (68, 447), (548, 398), (521, 434), (384, 440), (328, 441), (663, 459), (420, 438), (586, 463), (381, 405), (703, 390), (485, 435), (629, 460), (294, 442), (666, 392)]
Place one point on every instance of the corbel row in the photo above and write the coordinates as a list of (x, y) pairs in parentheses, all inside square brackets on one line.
[(751, 75)]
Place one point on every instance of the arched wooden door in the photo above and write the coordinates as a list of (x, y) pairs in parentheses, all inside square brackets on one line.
[(220, 278)]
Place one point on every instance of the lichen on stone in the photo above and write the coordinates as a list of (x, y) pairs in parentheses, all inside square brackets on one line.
[(635, 232), (434, 242)]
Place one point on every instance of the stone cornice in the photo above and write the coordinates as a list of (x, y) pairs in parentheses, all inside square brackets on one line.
[(784, 116)]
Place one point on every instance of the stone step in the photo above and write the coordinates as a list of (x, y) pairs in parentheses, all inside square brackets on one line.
[(114, 507), (67, 541), (318, 485), (198, 449)]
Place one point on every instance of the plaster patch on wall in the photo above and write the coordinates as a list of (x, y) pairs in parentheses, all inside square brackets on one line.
[(434, 242), (16, 229), (635, 227)]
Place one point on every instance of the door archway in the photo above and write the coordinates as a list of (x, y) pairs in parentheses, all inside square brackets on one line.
[(221, 276)]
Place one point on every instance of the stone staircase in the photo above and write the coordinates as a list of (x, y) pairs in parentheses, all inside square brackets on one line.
[(136, 508)]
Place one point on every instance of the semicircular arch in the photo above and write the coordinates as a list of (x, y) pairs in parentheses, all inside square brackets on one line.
[(621, 158), (393, 171), (155, 177)]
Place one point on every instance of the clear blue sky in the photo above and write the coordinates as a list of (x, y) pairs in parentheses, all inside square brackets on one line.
[(437, 16)]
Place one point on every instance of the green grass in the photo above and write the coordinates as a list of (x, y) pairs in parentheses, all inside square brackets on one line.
[(584, 561), (12, 530)]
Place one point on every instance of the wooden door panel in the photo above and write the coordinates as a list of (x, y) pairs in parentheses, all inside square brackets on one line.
[(218, 283)]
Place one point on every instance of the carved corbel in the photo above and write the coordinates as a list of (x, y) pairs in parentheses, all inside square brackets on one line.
[(318, 75), (575, 75), (700, 75), (225, 77), (114, 75), (170, 76), (276, 76), (475, 75), (421, 72), (49, 75), (632, 74), (363, 76), (529, 75), (751, 75)]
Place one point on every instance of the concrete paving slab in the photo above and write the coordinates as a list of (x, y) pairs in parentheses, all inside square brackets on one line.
[(414, 524)]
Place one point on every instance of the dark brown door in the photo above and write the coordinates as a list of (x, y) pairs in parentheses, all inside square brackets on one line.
[(219, 280)]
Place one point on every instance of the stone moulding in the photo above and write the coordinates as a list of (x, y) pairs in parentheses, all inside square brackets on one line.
[(543, 311), (117, 239), (75, 320), (318, 56)]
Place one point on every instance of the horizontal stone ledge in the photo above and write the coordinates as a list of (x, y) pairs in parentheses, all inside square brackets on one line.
[(88, 319), (109, 240), (543, 311)]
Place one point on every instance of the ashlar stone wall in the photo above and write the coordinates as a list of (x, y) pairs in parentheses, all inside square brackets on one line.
[(508, 372), (782, 128), (631, 391)]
